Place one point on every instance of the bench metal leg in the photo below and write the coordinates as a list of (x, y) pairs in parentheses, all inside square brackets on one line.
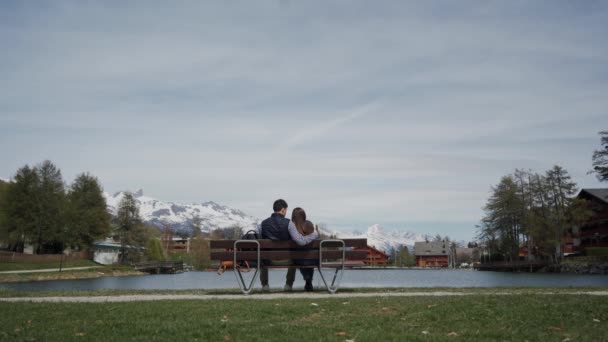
[(339, 270), (237, 272)]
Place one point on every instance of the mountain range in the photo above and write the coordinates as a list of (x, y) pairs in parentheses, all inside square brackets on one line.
[(179, 216)]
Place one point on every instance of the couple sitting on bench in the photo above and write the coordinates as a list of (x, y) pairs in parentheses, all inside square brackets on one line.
[(298, 229)]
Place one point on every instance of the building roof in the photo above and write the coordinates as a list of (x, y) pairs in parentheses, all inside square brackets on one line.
[(601, 194), (431, 248)]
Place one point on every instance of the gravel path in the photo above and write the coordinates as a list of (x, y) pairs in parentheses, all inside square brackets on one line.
[(268, 296)]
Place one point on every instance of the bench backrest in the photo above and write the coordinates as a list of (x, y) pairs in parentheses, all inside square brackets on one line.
[(281, 250)]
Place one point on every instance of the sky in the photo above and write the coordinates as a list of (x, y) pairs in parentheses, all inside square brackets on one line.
[(397, 113)]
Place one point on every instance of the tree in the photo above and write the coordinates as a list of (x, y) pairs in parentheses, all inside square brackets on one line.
[(87, 214), (50, 227), (154, 252), (128, 222), (600, 158), (21, 212), (4, 188), (503, 216), (199, 249), (196, 225), (566, 211), (406, 259), (532, 210)]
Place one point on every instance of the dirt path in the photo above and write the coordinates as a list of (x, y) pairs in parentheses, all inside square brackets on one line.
[(270, 296)]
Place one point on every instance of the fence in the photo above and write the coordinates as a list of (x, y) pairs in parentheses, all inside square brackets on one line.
[(6, 257)]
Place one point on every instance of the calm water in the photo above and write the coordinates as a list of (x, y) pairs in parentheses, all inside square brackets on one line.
[(351, 278)]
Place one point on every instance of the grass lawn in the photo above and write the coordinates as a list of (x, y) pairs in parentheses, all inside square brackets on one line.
[(18, 266), (531, 317)]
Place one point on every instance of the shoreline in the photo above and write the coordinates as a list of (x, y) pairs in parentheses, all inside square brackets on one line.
[(67, 275)]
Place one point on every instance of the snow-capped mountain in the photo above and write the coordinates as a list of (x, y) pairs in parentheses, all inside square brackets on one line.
[(378, 238), (179, 216)]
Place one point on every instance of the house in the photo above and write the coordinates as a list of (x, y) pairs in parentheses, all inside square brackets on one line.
[(375, 257), (106, 252), (594, 233), (175, 244), (432, 254)]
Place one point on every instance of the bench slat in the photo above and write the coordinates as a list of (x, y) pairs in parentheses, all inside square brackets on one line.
[(283, 255), (273, 244)]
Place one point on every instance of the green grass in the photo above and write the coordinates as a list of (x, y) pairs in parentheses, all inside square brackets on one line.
[(18, 266), (482, 317)]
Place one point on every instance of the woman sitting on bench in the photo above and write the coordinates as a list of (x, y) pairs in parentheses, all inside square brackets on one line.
[(305, 227)]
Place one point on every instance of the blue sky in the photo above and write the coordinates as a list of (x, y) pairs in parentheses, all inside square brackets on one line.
[(398, 113)]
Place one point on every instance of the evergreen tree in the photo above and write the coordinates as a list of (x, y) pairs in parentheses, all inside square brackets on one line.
[(565, 210), (87, 215), (128, 222), (600, 158), (503, 216)]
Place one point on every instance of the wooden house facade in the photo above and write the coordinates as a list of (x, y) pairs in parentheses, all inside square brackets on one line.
[(375, 257), (432, 254), (594, 233)]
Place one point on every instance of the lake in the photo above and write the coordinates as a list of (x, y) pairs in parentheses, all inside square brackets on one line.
[(352, 278)]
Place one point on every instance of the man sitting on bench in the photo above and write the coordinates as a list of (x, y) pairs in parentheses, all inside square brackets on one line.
[(277, 227)]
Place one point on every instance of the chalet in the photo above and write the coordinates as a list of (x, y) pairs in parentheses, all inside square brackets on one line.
[(594, 233), (432, 254), (375, 257), (175, 244)]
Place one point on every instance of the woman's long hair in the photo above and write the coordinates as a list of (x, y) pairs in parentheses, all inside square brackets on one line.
[(298, 217)]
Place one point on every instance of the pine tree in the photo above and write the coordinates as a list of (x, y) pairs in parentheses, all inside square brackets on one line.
[(600, 158), (87, 214), (503, 216)]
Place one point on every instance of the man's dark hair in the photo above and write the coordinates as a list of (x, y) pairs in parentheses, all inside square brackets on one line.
[(278, 205)]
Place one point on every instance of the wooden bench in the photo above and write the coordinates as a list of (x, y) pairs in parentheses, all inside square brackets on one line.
[(336, 254)]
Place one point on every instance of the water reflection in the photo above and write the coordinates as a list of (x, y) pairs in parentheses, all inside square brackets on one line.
[(352, 278)]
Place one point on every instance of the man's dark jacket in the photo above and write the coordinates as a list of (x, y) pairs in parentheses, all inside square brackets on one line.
[(276, 227)]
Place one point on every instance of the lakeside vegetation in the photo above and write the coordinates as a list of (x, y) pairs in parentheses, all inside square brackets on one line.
[(102, 271), (482, 317), (23, 266)]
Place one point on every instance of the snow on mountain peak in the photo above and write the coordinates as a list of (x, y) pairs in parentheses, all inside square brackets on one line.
[(385, 241), (375, 229), (179, 216)]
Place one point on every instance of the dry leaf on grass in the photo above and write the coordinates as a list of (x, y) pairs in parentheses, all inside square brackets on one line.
[(424, 332), (226, 338), (341, 333), (556, 328), (314, 304), (596, 320), (453, 333)]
